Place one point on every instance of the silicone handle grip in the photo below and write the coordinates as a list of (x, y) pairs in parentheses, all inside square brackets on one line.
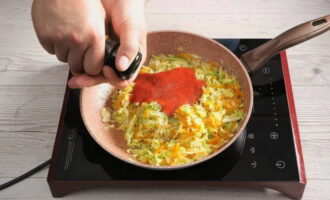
[(255, 58), (111, 48)]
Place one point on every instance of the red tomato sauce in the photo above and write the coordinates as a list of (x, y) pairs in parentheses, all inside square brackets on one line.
[(170, 89)]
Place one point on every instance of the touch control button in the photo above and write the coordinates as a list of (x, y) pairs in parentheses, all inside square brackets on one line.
[(274, 135), (254, 164), (242, 47), (250, 136), (265, 70), (280, 164), (252, 150)]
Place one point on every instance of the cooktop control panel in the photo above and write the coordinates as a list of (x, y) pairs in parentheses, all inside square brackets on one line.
[(269, 151)]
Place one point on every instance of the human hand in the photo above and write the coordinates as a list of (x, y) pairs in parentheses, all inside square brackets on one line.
[(75, 30), (128, 23)]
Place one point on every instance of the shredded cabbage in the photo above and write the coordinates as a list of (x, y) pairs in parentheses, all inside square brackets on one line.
[(194, 131)]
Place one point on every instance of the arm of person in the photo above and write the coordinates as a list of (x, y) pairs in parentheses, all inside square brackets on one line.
[(74, 30)]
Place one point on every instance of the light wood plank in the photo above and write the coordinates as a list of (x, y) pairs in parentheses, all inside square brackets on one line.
[(277, 8), (312, 110), (316, 153), (308, 66), (33, 107), (36, 188), (22, 151)]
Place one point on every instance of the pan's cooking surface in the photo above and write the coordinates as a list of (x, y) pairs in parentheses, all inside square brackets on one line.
[(268, 153)]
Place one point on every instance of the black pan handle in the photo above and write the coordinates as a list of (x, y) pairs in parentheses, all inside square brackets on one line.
[(111, 48)]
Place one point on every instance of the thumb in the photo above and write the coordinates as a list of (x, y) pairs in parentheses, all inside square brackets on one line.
[(129, 36)]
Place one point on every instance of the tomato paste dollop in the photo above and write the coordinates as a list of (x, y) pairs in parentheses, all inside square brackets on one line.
[(170, 89)]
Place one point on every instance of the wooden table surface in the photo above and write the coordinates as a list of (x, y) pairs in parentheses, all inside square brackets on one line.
[(32, 86)]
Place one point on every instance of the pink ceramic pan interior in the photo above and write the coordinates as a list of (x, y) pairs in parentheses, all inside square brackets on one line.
[(93, 99)]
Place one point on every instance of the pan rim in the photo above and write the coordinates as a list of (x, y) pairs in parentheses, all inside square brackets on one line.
[(176, 167)]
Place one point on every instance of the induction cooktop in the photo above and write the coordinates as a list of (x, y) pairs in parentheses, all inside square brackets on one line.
[(267, 155)]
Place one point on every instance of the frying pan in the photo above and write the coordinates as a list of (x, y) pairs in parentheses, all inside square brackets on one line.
[(166, 42)]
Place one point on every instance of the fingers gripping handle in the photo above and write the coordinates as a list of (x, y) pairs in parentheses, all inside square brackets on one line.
[(111, 48)]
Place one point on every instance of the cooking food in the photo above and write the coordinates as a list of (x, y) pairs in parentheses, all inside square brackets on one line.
[(179, 110)]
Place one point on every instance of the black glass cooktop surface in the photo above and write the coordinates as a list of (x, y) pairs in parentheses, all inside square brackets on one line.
[(264, 152)]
